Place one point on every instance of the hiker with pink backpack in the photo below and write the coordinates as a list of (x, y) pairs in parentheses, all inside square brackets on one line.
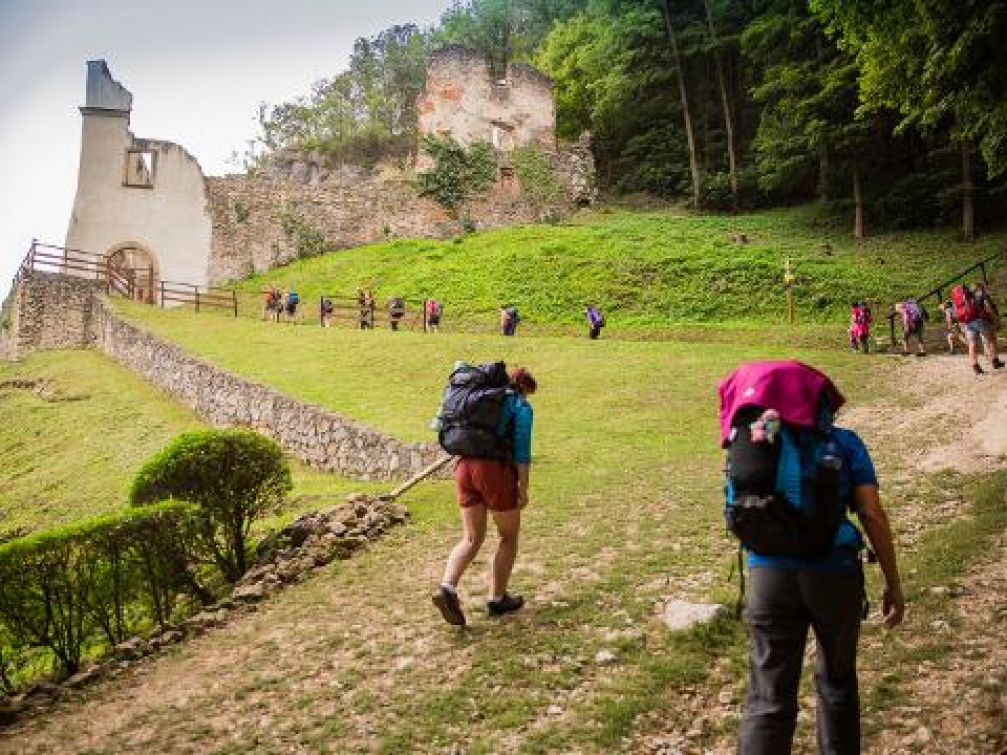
[(793, 481), (913, 316)]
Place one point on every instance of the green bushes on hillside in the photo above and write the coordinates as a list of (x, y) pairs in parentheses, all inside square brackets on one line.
[(233, 477), (69, 589)]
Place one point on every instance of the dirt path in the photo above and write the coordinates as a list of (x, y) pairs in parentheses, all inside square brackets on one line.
[(332, 664)]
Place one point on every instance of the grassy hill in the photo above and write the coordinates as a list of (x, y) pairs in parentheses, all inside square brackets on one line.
[(645, 269), (69, 448)]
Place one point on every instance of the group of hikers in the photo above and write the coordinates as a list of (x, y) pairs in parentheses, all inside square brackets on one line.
[(794, 479), (280, 302), (283, 303), (969, 316)]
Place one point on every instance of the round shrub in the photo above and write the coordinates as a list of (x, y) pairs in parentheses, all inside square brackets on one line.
[(233, 476)]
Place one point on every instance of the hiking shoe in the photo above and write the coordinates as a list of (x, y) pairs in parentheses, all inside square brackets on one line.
[(506, 604), (997, 364), (977, 369), (449, 606)]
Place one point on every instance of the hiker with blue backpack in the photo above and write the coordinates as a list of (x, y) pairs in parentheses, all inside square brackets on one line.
[(486, 421), (792, 479)]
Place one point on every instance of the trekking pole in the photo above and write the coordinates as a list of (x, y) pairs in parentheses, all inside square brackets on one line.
[(416, 479)]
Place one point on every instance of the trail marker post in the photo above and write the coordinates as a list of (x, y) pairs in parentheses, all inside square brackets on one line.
[(788, 286)]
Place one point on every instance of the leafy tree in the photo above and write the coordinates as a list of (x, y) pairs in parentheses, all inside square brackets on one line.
[(363, 114), (233, 476), (503, 30), (940, 64)]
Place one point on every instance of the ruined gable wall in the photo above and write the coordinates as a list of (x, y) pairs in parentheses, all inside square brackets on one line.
[(462, 99), (169, 218)]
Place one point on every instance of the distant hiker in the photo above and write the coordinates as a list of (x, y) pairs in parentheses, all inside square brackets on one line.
[(977, 313), (792, 479), (860, 327), (486, 420), (290, 302), (595, 321), (365, 304), (272, 303), (433, 310), (912, 324), (327, 310), (509, 318), (953, 331), (396, 311)]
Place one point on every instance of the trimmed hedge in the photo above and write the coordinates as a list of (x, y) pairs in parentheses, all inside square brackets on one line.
[(233, 476), (97, 582)]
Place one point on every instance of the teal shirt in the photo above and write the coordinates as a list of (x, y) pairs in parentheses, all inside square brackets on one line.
[(515, 422)]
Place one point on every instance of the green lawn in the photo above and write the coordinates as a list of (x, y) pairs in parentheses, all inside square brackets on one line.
[(71, 451), (645, 269)]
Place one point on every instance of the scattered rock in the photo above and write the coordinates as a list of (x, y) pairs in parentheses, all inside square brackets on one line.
[(680, 615), (83, 677), (131, 649), (249, 592), (605, 658)]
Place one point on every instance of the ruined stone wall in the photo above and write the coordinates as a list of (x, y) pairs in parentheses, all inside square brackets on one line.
[(462, 99), (315, 435), (51, 311), (348, 208)]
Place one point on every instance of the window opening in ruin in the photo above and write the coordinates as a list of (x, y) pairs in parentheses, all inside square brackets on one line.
[(501, 136), (140, 164), (507, 178)]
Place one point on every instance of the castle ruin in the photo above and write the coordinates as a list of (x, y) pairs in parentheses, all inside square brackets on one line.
[(147, 204)]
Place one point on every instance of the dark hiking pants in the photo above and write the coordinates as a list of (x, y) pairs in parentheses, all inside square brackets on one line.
[(780, 606)]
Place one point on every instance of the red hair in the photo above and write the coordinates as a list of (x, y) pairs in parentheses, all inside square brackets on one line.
[(523, 381)]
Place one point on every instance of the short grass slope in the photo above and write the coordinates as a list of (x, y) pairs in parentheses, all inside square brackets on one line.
[(75, 427), (645, 269)]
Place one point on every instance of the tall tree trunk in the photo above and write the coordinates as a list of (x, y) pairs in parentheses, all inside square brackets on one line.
[(686, 115), (968, 211), (725, 105), (858, 205)]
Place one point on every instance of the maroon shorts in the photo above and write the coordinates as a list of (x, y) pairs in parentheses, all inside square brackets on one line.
[(486, 482)]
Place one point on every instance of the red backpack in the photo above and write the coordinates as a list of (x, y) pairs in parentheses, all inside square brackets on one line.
[(965, 304)]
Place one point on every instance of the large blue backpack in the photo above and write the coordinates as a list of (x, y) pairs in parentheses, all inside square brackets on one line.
[(782, 492)]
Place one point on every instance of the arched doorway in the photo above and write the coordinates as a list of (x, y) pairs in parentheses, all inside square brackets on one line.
[(133, 271)]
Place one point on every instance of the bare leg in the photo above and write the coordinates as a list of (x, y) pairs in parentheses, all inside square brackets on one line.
[(474, 522), (972, 347), (508, 525)]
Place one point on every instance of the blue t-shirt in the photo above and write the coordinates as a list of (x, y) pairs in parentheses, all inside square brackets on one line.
[(516, 420), (858, 469)]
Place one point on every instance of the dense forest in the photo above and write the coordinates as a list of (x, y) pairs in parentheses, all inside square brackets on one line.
[(895, 111)]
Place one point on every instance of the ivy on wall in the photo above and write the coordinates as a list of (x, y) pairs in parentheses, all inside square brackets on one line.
[(539, 183), (458, 173), (306, 238)]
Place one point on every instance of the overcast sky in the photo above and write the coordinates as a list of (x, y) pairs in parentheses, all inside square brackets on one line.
[(197, 69)]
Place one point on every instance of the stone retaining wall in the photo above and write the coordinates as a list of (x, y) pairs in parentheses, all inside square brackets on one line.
[(52, 311), (315, 435)]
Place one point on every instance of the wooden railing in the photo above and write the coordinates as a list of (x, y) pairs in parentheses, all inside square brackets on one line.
[(132, 283), (200, 297)]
